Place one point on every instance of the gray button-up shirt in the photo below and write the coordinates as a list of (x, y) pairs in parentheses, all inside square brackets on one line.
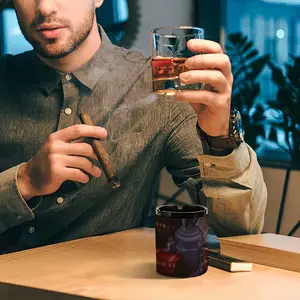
[(145, 135)]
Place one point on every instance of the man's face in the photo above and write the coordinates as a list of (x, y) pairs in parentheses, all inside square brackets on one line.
[(55, 28)]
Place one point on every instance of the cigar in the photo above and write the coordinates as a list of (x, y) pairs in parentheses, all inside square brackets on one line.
[(102, 155)]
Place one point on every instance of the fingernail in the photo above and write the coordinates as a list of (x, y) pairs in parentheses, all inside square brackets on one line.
[(103, 132), (99, 172), (185, 76)]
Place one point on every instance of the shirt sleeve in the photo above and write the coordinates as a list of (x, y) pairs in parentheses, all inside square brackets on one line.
[(232, 186), (235, 191), (13, 208)]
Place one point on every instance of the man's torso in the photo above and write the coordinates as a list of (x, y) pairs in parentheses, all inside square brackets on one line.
[(138, 129)]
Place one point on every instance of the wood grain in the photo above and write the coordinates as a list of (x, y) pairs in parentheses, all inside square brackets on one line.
[(122, 266)]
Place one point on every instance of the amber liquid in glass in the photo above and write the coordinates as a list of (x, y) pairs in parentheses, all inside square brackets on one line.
[(166, 72)]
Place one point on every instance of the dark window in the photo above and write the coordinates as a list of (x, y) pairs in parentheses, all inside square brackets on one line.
[(13, 39)]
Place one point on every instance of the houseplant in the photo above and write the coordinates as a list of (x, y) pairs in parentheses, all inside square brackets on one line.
[(247, 65), (285, 110)]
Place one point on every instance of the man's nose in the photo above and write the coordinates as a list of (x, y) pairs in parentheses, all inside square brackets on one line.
[(46, 7)]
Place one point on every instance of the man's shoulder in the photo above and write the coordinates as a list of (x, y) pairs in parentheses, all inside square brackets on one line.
[(132, 57), (131, 53), (132, 67), (10, 64)]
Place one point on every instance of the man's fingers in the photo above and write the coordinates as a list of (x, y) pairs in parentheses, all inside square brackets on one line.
[(210, 99), (213, 77), (210, 61), (78, 131), (204, 46), (80, 149), (83, 164), (75, 175), (82, 140)]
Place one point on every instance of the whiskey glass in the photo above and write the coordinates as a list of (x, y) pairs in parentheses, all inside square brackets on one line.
[(169, 53)]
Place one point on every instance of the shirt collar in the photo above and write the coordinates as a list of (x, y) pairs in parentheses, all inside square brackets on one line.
[(88, 74), (48, 77), (91, 72)]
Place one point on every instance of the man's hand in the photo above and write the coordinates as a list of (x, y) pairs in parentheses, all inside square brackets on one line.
[(59, 160), (213, 68)]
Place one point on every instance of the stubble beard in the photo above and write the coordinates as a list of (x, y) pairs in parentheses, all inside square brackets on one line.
[(54, 48)]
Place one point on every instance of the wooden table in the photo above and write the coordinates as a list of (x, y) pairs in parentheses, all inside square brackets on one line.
[(122, 266)]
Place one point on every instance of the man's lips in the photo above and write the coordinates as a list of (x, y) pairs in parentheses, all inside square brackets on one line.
[(49, 26), (50, 31)]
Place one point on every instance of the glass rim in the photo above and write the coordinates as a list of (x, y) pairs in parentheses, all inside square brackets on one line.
[(154, 31), (166, 211)]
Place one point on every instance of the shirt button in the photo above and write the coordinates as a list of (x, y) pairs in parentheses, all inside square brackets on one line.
[(31, 229), (60, 200), (68, 77), (207, 165), (68, 111)]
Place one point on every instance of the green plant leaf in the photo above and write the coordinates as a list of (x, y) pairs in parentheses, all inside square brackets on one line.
[(258, 65), (237, 72), (277, 125), (251, 54), (235, 38), (237, 101), (284, 99), (247, 46), (259, 113), (272, 104), (243, 42), (254, 92), (293, 72), (273, 135), (230, 48), (260, 130), (277, 75), (297, 63)]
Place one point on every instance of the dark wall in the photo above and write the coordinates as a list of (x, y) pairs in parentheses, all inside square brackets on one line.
[(208, 15)]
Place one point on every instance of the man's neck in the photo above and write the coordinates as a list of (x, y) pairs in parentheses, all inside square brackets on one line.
[(79, 57)]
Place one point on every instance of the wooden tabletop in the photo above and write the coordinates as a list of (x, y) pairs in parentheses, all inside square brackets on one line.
[(122, 266)]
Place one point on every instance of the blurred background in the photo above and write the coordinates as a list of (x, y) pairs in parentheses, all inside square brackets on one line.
[(262, 39)]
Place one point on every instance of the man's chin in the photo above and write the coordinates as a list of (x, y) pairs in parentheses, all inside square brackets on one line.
[(53, 53)]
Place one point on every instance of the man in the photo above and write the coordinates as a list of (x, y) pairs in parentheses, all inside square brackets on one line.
[(51, 188)]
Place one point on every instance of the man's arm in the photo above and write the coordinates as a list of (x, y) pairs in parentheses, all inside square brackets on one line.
[(235, 191), (58, 160), (233, 185), (13, 208)]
